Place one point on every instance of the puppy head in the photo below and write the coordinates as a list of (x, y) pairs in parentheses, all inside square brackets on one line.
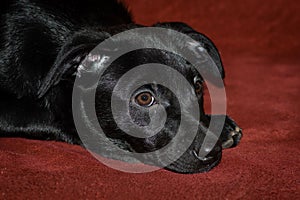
[(144, 103)]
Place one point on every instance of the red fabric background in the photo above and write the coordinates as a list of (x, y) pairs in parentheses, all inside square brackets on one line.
[(259, 44)]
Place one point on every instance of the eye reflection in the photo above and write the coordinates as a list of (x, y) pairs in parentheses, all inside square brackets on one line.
[(145, 99)]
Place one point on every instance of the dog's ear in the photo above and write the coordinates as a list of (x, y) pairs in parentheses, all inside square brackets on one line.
[(69, 58), (202, 39)]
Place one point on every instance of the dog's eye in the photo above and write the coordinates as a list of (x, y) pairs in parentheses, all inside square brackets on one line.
[(145, 99), (198, 87)]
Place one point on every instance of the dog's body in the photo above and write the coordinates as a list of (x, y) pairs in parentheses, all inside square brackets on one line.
[(41, 46)]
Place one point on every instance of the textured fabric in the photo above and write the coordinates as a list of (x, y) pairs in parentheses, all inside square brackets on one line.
[(259, 44)]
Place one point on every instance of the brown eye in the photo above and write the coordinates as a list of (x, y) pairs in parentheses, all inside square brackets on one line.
[(198, 87), (144, 99)]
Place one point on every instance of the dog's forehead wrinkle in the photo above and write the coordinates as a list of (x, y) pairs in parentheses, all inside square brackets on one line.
[(162, 42)]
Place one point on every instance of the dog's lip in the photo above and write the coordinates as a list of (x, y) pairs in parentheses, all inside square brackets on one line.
[(203, 166), (206, 158), (210, 163)]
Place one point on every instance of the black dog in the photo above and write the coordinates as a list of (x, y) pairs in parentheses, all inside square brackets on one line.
[(42, 44)]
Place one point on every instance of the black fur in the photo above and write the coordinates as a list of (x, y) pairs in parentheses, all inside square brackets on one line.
[(41, 45)]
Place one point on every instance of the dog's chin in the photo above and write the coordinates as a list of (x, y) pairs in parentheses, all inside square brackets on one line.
[(188, 164)]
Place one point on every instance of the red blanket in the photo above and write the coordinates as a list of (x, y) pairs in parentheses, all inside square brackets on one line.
[(259, 44)]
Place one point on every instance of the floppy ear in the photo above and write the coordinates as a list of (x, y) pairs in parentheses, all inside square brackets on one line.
[(70, 57), (203, 40)]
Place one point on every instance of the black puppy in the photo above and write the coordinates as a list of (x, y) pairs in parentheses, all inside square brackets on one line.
[(42, 44)]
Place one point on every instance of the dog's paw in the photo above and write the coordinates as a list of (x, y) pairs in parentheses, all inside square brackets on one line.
[(231, 134)]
